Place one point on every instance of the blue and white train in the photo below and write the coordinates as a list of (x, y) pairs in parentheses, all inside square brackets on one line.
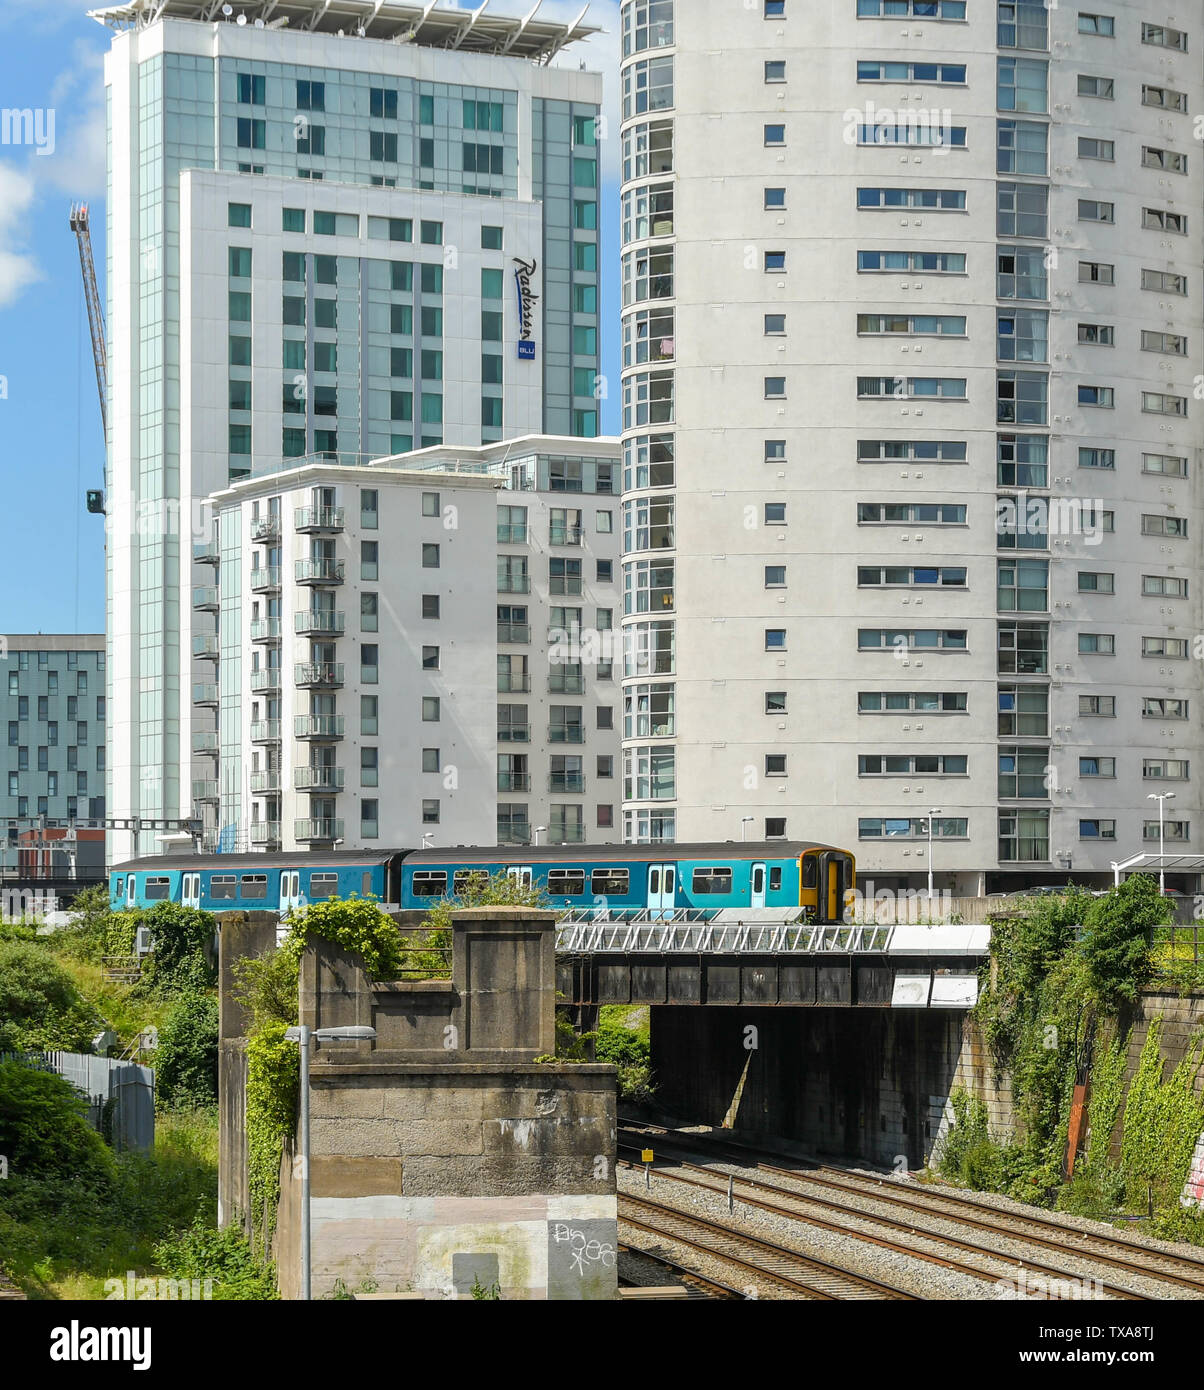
[(620, 879)]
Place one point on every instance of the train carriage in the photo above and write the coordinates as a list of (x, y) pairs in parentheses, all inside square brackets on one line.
[(619, 880)]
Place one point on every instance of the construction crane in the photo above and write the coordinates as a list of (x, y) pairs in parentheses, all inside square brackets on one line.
[(96, 319)]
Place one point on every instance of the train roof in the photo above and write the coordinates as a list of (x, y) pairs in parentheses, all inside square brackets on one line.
[(319, 859), (603, 854)]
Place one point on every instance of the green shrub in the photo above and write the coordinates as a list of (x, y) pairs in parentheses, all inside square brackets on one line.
[(186, 1059), (1116, 942), (225, 1256), (183, 959), (43, 1129), (40, 1007)]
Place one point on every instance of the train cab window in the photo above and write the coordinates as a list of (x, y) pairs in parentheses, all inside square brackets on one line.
[(366, 884), (712, 880), (323, 885), (610, 883), (157, 889), (810, 871), (254, 885), (566, 883), (223, 886), (119, 890), (468, 881), (430, 883), (775, 879)]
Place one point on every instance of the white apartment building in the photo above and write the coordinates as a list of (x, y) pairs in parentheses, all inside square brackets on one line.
[(416, 652), (911, 427), (335, 230)]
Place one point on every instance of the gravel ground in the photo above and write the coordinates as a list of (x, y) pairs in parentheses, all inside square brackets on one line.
[(918, 1276)]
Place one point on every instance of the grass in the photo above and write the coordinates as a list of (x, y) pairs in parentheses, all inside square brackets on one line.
[(126, 1011), (63, 1240)]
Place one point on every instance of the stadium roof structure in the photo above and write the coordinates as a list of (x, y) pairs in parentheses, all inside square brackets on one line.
[(425, 24)]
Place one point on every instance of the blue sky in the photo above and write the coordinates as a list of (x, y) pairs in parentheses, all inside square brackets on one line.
[(51, 446)]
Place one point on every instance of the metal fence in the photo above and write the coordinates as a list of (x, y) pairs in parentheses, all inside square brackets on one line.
[(120, 1095)]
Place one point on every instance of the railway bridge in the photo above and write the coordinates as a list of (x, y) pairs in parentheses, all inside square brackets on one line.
[(848, 1038)]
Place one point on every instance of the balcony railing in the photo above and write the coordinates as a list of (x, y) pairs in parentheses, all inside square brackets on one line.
[(318, 779), (514, 833), (514, 583), (265, 679), (205, 741), (265, 630), (265, 783), (205, 791), (311, 519), (514, 733), (566, 782), (206, 598), (514, 632), (265, 578), (566, 682), (511, 534), (513, 682), (317, 830), (566, 834), (318, 571), (318, 726), (564, 535), (566, 733), (207, 553), (206, 646), (565, 584), (207, 695), (265, 832), (319, 620), (265, 528), (265, 731), (514, 781), (318, 675)]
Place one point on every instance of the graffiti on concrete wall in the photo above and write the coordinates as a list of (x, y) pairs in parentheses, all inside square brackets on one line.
[(581, 1259), (1193, 1188)]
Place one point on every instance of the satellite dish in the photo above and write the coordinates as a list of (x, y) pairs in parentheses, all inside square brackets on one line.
[(227, 10), (241, 20)]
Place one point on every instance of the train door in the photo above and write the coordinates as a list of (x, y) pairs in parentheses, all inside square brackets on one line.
[(190, 894), (662, 888), (834, 875), (290, 889), (756, 896), (520, 873), (131, 890)]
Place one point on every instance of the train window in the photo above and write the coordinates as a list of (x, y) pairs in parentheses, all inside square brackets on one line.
[(157, 888), (611, 883), (366, 885), (430, 883), (323, 885), (566, 883), (775, 880), (810, 871), (223, 886), (712, 880), (469, 881), (119, 891), (254, 885)]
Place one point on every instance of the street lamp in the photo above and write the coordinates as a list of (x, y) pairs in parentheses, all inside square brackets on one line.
[(745, 820), (539, 830), (1160, 797), (935, 811), (303, 1036), (428, 835)]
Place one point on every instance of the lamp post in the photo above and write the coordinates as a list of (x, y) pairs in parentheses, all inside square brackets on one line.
[(539, 830), (744, 821), (1160, 798), (934, 811), (428, 835), (303, 1036)]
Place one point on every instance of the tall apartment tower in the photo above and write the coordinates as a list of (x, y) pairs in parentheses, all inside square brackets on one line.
[(911, 324), (335, 231)]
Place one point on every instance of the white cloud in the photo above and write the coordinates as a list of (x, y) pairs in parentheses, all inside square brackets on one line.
[(18, 268), (77, 94)]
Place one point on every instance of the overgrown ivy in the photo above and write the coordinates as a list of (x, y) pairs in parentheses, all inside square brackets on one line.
[(1062, 969)]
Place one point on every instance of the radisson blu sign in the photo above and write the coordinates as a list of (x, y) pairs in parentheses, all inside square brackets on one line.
[(524, 274)]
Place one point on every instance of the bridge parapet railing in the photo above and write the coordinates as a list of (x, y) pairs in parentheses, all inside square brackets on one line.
[(600, 935)]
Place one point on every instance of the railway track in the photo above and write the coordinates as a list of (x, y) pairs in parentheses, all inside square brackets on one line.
[(782, 1201), (1117, 1252), (712, 1287), (803, 1275)]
